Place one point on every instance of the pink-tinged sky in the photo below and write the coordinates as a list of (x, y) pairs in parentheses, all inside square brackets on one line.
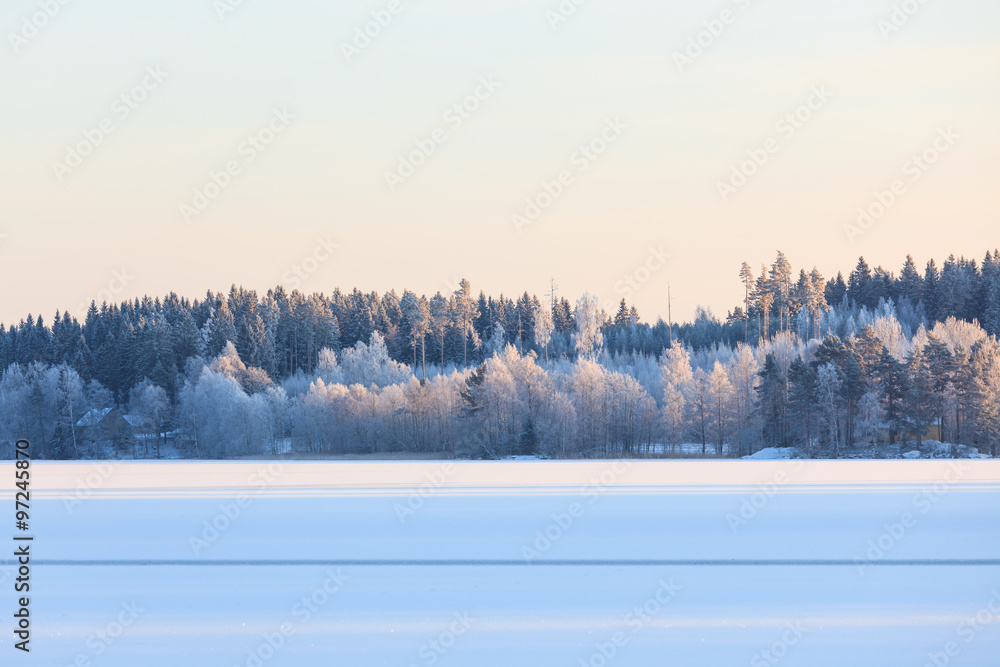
[(162, 96)]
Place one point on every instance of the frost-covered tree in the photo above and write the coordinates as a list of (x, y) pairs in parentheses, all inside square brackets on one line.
[(743, 372), (720, 395), (465, 313), (588, 386), (871, 416), (701, 404), (417, 318), (588, 338), (440, 316), (150, 404), (830, 382), (346, 365), (985, 364), (543, 328), (919, 402), (781, 277), (631, 415), (746, 277), (676, 376), (371, 365)]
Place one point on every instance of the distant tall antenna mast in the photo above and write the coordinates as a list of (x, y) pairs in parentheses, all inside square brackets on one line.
[(552, 292)]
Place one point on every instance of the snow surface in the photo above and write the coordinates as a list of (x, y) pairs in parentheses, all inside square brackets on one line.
[(399, 606), (773, 453)]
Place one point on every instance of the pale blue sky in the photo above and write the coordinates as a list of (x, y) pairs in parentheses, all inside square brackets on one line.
[(655, 187)]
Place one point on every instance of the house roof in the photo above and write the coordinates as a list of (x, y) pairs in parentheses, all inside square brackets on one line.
[(97, 415), (94, 417)]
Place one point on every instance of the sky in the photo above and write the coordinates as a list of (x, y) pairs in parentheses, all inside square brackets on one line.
[(615, 147)]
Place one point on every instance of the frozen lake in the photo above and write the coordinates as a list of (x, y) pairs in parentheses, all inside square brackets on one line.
[(512, 563)]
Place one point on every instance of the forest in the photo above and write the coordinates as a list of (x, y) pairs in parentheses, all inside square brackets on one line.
[(834, 367)]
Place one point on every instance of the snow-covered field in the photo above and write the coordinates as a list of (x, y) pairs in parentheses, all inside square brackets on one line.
[(512, 563)]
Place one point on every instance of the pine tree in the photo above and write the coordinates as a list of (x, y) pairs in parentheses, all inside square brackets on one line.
[(941, 366), (817, 299), (781, 285), (964, 391), (746, 277), (800, 297), (772, 392), (830, 399), (465, 313), (853, 388), (868, 348), (802, 399), (416, 325), (891, 379), (763, 299), (439, 319), (918, 412)]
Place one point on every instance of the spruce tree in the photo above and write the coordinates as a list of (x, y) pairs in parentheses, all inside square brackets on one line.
[(929, 291), (859, 285)]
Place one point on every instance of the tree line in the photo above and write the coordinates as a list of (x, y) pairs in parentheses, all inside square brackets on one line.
[(823, 365)]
